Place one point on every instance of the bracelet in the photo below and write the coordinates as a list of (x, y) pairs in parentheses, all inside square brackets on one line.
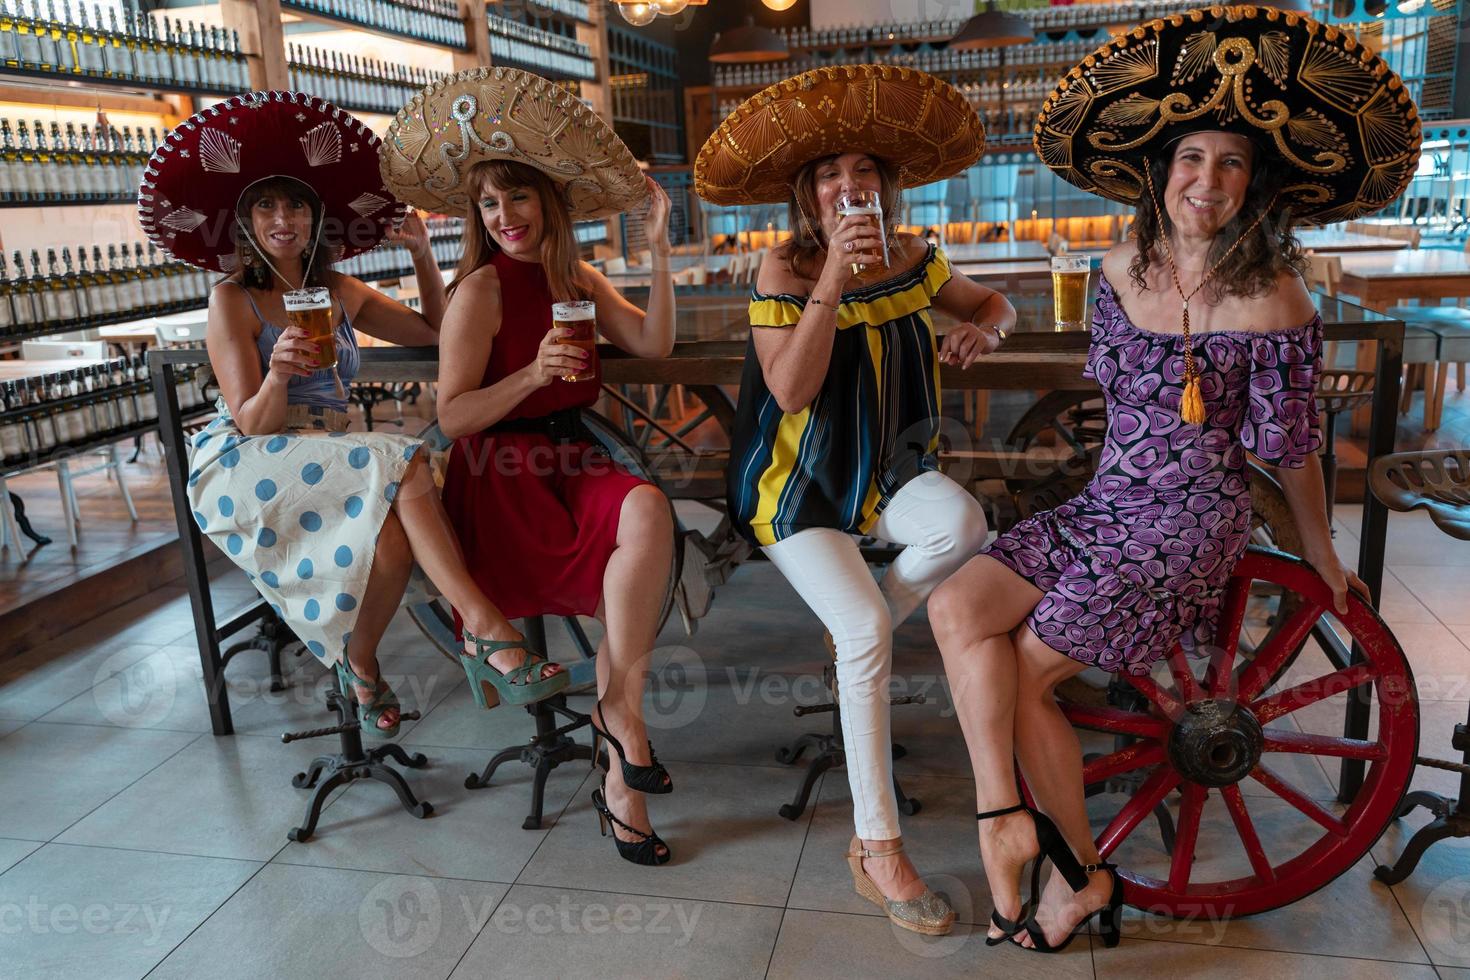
[(813, 299)]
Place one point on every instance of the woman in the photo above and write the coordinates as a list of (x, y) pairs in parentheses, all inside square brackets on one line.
[(548, 523), (838, 419), (328, 524), (1206, 345)]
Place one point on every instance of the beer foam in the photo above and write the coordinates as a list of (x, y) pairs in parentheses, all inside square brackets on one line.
[(573, 312)]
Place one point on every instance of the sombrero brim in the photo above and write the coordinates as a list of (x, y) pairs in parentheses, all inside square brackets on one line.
[(1329, 110), (507, 114), (919, 124), (187, 199)]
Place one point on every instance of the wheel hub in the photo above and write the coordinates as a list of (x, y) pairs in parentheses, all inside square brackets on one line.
[(1216, 743)]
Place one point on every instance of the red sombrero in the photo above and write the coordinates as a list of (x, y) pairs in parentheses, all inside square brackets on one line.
[(186, 203)]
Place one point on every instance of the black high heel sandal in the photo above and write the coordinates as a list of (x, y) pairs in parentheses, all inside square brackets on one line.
[(652, 779), (1053, 848), (1110, 917), (642, 851)]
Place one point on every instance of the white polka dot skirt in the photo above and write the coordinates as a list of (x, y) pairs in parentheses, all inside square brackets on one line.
[(300, 512)]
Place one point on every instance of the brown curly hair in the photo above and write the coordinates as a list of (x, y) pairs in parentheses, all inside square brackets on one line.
[(1253, 268)]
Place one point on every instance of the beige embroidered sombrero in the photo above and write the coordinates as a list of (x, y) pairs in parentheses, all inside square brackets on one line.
[(1330, 110), (913, 121), (506, 114)]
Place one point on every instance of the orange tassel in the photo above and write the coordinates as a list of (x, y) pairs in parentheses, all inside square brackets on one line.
[(1192, 404)]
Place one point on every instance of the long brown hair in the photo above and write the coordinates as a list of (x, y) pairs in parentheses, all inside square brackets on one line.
[(1253, 268), (254, 272), (559, 251), (807, 239)]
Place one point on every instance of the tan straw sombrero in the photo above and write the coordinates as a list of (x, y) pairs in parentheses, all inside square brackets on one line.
[(506, 114), (1323, 107), (919, 124)]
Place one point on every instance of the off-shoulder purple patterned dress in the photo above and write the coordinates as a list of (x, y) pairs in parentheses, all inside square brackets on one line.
[(1138, 560)]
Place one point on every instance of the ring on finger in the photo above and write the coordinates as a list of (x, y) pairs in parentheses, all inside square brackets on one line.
[(848, 246)]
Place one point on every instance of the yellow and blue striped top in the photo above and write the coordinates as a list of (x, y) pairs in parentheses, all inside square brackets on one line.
[(873, 426)]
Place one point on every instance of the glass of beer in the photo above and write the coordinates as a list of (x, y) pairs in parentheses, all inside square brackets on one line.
[(580, 318), (1069, 280), (311, 310), (865, 203)]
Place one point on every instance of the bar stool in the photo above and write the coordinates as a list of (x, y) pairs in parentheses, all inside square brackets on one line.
[(1338, 391), (1437, 481), (830, 751), (1451, 324)]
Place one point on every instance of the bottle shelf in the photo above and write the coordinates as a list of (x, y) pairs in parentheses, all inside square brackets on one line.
[(92, 201), (449, 33), (83, 81), (70, 450)]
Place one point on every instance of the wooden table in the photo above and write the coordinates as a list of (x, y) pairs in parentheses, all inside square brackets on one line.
[(1333, 242), (131, 337), (1381, 279)]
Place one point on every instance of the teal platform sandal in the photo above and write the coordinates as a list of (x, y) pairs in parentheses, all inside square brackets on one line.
[(369, 713), (515, 686)]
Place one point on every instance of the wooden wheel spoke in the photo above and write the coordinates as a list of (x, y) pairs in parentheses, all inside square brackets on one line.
[(1137, 756), (1184, 680), (1271, 657), (1141, 806), (1163, 701), (1269, 779), (650, 423), (1283, 740), (1187, 836), (1246, 829), (1116, 721), (1312, 691), (1227, 635)]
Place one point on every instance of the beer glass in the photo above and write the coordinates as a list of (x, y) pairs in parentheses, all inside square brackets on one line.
[(580, 317), (1069, 279), (311, 310), (865, 203)]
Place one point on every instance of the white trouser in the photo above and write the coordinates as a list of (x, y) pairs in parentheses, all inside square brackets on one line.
[(941, 527)]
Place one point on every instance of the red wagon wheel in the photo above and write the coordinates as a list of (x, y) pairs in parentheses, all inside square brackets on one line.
[(1204, 735)]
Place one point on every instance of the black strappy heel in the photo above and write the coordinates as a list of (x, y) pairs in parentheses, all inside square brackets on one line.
[(642, 851), (653, 779), (1052, 847), (1110, 917)]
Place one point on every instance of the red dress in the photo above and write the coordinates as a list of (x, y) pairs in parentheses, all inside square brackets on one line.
[(537, 520)]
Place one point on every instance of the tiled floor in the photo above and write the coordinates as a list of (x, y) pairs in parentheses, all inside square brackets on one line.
[(134, 843)]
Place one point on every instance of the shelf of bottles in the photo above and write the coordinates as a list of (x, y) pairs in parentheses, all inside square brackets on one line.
[(570, 9), (432, 21), (63, 413), (101, 166), (644, 89), (69, 41), (535, 49), (120, 287), (943, 63), (354, 83), (1044, 17), (393, 262)]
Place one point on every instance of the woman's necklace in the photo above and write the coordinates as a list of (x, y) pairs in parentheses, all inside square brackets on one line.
[(1191, 403)]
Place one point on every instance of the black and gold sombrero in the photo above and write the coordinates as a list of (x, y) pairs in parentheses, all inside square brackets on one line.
[(920, 124), (1338, 119)]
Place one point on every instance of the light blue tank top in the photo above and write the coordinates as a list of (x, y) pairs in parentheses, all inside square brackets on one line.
[(317, 389)]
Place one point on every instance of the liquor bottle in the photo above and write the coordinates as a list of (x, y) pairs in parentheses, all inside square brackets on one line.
[(46, 38), (7, 315), (66, 40), (49, 298), (147, 399), (60, 169), (13, 441), (9, 52), (59, 289), (132, 286), (11, 175), (90, 42), (107, 288), (76, 287)]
